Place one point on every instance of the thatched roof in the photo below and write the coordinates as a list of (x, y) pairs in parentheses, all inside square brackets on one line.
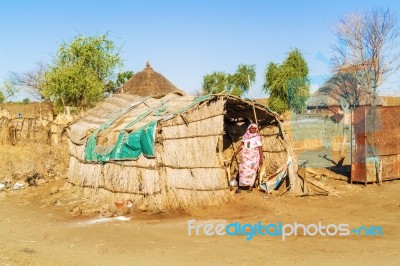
[(339, 88), (120, 105), (129, 107), (149, 83)]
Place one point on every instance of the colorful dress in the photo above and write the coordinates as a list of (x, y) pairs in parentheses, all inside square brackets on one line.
[(250, 158)]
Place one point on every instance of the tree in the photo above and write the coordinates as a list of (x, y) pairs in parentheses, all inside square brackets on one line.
[(122, 78), (241, 80), (81, 71), (215, 82), (235, 84), (31, 80), (368, 47), (26, 101), (287, 84), (2, 97), (8, 89)]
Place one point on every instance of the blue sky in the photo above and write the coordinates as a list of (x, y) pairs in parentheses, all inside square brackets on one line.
[(183, 40)]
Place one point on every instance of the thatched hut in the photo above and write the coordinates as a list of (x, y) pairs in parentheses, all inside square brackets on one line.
[(340, 89), (169, 151), (149, 83)]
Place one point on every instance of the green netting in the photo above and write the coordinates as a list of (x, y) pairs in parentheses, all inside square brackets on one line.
[(130, 146)]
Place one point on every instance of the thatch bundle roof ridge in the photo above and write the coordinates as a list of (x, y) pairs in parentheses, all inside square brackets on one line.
[(149, 83)]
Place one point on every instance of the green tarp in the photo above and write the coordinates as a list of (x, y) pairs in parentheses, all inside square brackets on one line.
[(130, 146)]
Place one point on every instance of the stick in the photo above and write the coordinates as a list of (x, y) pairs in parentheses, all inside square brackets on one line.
[(252, 101)]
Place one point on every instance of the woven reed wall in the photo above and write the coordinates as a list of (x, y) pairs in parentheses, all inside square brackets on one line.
[(182, 175)]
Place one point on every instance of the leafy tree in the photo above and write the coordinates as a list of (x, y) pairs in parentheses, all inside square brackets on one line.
[(215, 82), (81, 71), (8, 89), (2, 97), (234, 84), (287, 83), (26, 101), (122, 78)]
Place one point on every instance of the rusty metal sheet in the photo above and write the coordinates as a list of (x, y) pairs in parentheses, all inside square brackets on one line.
[(372, 166), (358, 154), (391, 167), (376, 137), (358, 172), (386, 142)]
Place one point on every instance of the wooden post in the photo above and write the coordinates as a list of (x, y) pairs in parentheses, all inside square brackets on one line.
[(252, 101)]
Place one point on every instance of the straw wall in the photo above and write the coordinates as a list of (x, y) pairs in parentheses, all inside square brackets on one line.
[(195, 175), (119, 181), (274, 150), (182, 175)]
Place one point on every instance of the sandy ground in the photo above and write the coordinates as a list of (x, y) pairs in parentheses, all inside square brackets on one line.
[(34, 233)]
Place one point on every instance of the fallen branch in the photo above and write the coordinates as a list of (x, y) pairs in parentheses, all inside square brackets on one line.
[(327, 173)]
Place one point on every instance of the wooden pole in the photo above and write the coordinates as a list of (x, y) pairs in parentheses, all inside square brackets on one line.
[(252, 100)]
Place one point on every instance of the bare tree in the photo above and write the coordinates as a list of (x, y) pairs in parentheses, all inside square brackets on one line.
[(32, 80), (368, 46)]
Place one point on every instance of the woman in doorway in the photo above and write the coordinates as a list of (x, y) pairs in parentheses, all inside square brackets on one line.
[(252, 157)]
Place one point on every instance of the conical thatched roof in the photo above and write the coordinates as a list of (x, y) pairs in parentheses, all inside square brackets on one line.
[(149, 83)]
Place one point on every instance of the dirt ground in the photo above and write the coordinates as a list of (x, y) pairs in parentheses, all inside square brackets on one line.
[(34, 233)]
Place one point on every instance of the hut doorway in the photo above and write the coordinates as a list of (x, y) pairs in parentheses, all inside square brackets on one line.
[(238, 115)]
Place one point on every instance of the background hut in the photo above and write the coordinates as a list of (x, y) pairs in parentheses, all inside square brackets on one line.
[(149, 83), (340, 89)]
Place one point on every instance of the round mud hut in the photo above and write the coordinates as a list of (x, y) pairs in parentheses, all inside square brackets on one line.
[(169, 151)]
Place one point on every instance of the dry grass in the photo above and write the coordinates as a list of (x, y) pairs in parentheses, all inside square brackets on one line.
[(27, 110), (20, 161)]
